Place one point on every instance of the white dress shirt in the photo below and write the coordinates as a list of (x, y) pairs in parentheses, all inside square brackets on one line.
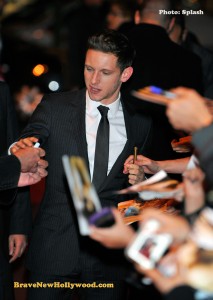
[(117, 132)]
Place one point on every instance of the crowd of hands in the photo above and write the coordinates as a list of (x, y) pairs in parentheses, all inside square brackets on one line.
[(188, 112)]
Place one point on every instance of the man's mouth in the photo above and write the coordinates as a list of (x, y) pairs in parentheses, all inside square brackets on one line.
[(94, 90)]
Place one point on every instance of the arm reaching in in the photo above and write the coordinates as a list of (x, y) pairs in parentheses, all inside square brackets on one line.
[(116, 236), (150, 166), (33, 168), (177, 226), (30, 178), (23, 143), (188, 111), (29, 158)]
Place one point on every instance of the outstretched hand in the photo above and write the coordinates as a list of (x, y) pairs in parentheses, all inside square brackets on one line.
[(149, 166), (116, 236), (29, 178)]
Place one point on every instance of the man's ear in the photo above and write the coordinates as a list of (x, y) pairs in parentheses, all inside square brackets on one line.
[(184, 34), (127, 73), (170, 25), (137, 17)]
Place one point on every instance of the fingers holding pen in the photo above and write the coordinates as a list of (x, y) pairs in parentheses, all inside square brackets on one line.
[(127, 162), (136, 173)]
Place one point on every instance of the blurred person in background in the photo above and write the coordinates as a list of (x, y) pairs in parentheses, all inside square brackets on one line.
[(190, 112), (26, 101), (162, 63), (15, 219), (121, 15), (87, 19), (182, 36)]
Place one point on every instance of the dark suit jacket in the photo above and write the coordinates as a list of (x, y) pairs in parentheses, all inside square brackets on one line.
[(203, 142), (15, 216), (183, 292), (162, 63), (10, 169), (59, 123)]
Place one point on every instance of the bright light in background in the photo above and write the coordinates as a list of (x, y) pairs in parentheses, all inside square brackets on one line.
[(39, 69), (53, 86)]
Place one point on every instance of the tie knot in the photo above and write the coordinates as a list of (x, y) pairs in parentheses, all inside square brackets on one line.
[(103, 110)]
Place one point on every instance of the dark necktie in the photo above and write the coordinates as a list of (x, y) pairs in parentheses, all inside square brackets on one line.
[(101, 149)]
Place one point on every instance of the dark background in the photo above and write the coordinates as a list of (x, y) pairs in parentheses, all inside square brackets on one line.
[(35, 32)]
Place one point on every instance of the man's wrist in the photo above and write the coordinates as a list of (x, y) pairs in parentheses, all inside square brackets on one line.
[(9, 152)]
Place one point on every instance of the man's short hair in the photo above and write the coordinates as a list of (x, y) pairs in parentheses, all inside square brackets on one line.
[(149, 9), (113, 42)]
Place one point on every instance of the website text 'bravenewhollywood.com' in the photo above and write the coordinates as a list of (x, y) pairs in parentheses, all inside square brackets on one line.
[(64, 285)]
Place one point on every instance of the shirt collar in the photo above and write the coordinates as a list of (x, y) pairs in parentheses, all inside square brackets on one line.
[(91, 106)]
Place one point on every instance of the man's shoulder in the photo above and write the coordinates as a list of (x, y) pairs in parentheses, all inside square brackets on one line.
[(186, 56), (66, 95), (137, 118), (64, 100)]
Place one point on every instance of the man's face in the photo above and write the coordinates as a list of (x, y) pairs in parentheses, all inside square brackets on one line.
[(103, 77)]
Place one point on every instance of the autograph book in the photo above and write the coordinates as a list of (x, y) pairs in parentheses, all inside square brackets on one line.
[(85, 199)]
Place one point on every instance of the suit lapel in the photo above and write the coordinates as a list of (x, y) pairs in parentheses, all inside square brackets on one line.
[(80, 127)]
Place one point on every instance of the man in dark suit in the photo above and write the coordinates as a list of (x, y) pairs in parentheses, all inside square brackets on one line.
[(67, 123), (14, 214), (162, 63)]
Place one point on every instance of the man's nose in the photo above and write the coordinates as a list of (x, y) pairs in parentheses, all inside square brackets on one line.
[(95, 78)]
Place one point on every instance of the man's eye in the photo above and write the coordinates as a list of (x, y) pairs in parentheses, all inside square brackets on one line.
[(88, 69), (106, 73)]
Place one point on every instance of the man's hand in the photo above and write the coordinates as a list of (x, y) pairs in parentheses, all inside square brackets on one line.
[(163, 284), (30, 178), (149, 166), (29, 158), (136, 172), (23, 143), (116, 236), (17, 245), (177, 226), (188, 111)]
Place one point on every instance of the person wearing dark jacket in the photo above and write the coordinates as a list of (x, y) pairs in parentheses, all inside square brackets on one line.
[(162, 63), (15, 215)]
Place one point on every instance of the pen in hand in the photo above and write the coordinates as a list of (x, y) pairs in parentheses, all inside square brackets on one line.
[(135, 154)]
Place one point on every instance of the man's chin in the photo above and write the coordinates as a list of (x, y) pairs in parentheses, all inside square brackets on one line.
[(94, 98)]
